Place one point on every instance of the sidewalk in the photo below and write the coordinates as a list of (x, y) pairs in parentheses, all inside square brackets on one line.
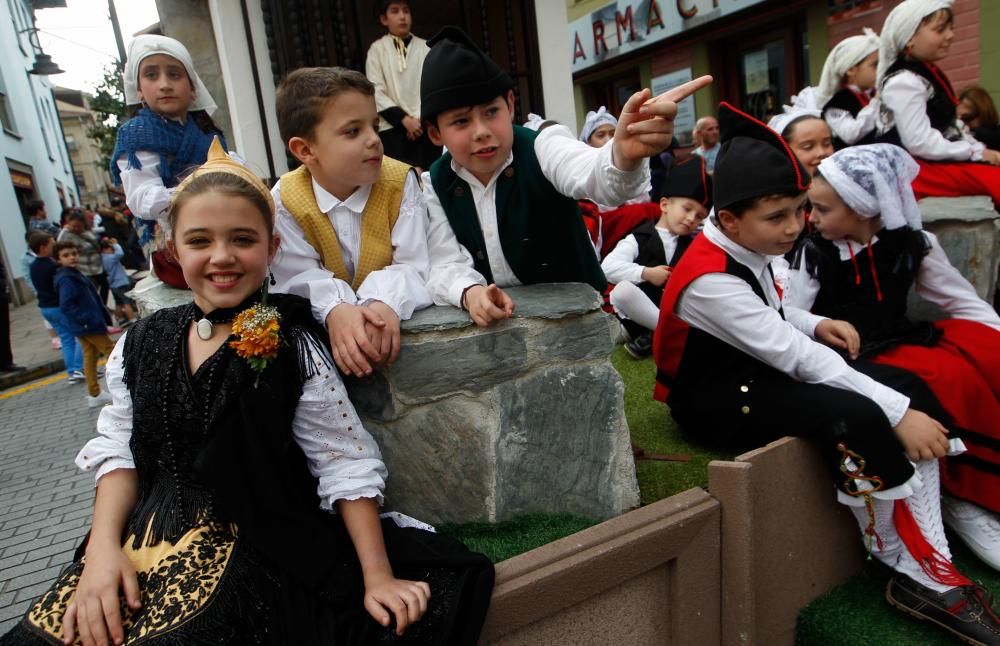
[(32, 347)]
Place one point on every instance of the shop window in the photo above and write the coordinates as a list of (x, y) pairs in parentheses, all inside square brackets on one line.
[(612, 92)]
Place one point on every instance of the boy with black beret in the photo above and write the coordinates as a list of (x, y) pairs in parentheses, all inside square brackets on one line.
[(735, 372), (503, 200), (641, 262)]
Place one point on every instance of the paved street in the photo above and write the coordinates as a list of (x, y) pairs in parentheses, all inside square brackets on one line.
[(45, 502)]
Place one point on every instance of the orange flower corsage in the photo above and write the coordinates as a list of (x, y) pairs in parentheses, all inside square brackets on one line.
[(257, 336)]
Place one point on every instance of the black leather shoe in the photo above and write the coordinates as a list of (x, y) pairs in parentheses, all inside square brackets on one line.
[(964, 611), (641, 346)]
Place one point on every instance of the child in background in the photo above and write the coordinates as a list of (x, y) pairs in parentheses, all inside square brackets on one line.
[(919, 105), (503, 200), (807, 133), (238, 494), (350, 219), (111, 257), (844, 93), (640, 263), (86, 317), (868, 249), (737, 373), (43, 273), (977, 111), (598, 127), (168, 134), (394, 64)]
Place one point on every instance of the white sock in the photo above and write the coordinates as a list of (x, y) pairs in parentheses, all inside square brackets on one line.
[(925, 506), (630, 302), (892, 544)]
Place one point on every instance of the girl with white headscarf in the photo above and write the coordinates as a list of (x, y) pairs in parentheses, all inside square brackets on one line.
[(169, 133), (918, 104), (865, 253), (598, 127), (845, 90)]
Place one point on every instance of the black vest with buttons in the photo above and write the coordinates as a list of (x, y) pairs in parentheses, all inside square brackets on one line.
[(651, 252), (541, 231), (941, 105)]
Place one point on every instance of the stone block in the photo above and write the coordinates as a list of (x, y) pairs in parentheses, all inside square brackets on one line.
[(523, 416), (969, 231)]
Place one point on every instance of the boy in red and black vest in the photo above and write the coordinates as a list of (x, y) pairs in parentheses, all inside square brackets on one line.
[(736, 373)]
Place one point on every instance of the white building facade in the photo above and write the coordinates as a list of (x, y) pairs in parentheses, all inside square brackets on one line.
[(36, 164)]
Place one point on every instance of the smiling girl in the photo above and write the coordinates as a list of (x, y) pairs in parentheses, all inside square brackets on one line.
[(169, 134), (237, 491)]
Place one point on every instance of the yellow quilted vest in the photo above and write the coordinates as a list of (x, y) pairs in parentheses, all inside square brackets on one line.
[(377, 220)]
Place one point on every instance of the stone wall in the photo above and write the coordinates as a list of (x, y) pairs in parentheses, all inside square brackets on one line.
[(487, 423)]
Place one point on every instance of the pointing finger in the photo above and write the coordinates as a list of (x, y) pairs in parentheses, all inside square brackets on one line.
[(678, 93)]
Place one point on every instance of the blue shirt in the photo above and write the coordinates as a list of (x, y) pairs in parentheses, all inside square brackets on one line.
[(113, 268)]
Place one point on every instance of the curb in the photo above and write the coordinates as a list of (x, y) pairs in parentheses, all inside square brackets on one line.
[(12, 379)]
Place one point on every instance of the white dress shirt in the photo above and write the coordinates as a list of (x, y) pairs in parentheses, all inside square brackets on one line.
[(298, 270), (339, 451), (574, 168), (145, 194), (620, 266), (937, 281), (723, 305), (849, 128), (904, 97)]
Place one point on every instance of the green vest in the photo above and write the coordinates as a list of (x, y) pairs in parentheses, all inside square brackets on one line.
[(541, 231)]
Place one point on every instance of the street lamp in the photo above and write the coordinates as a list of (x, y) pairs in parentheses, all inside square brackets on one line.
[(44, 65)]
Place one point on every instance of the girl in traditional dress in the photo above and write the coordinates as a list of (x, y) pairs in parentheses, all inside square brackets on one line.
[(169, 133), (866, 251), (844, 93), (238, 493), (919, 105)]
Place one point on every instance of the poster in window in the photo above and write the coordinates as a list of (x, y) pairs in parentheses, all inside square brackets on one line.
[(755, 72), (685, 119)]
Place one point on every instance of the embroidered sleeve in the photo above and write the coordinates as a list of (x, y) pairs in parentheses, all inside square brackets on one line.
[(110, 449), (340, 453)]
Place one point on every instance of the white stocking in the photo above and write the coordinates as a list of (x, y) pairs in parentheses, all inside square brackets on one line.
[(630, 302)]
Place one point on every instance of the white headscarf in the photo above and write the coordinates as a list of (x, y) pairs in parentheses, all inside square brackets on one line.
[(875, 180), (803, 105), (148, 45), (844, 55), (595, 120), (899, 27)]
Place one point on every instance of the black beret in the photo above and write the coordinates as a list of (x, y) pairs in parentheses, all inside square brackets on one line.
[(689, 179), (754, 161), (458, 74)]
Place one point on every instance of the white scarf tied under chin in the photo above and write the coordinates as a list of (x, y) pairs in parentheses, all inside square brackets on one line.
[(595, 120), (875, 180), (844, 55), (899, 27), (147, 45)]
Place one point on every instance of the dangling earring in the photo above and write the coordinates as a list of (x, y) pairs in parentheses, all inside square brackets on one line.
[(271, 279)]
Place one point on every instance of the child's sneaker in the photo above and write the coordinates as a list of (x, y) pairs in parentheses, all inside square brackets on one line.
[(99, 399), (964, 611), (113, 330), (56, 343), (75, 377), (977, 527)]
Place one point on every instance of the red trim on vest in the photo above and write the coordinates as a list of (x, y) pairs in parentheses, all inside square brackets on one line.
[(862, 97), (943, 80), (702, 257)]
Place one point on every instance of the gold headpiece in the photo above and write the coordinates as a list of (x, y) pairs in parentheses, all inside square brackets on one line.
[(220, 162)]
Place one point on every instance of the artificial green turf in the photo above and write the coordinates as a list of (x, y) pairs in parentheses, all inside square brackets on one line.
[(654, 431), (857, 612), (501, 541)]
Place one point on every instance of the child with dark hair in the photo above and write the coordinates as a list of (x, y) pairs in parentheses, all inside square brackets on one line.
[(238, 494), (977, 111), (38, 219), (919, 105), (641, 262), (393, 65), (503, 200), (169, 133), (43, 274), (111, 257), (738, 371), (351, 220), (85, 315)]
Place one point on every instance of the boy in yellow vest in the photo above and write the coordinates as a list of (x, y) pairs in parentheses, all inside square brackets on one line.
[(351, 221)]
